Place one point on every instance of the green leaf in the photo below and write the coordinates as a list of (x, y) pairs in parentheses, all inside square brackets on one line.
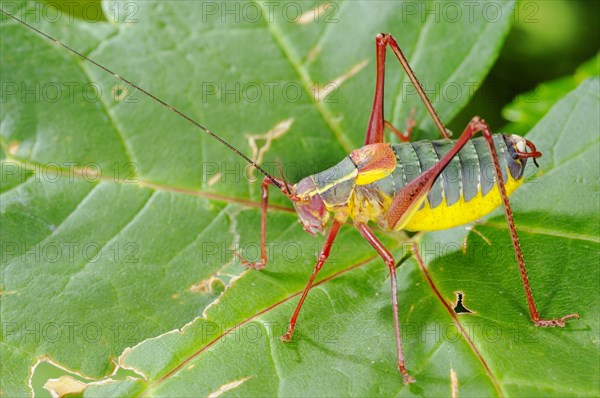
[(343, 348), (92, 265), (528, 108)]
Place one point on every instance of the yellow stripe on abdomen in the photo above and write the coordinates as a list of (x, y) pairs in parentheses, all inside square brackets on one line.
[(461, 212)]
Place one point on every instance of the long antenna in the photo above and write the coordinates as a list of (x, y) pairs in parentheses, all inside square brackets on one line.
[(155, 98)]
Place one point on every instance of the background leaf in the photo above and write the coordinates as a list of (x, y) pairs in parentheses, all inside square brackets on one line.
[(528, 108), (92, 265)]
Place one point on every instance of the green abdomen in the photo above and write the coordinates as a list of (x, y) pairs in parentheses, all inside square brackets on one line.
[(466, 189)]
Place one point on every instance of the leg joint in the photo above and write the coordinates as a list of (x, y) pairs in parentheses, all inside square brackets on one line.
[(382, 39)]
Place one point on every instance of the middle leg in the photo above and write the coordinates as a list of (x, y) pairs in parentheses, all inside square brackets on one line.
[(366, 232)]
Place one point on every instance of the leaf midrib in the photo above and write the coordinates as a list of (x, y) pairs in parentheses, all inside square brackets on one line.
[(140, 184)]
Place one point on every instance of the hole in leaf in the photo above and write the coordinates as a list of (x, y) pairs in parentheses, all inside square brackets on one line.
[(459, 308)]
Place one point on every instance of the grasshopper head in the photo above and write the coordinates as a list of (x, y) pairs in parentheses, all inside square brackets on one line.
[(312, 213)]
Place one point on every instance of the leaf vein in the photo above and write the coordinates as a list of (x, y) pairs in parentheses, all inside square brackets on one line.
[(305, 80)]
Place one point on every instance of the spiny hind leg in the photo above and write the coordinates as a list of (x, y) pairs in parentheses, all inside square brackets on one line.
[(407, 201), (377, 123), (480, 125)]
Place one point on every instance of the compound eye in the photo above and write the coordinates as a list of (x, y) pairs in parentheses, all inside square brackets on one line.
[(512, 150)]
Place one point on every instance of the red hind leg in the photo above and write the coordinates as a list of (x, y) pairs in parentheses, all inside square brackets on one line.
[(377, 123), (407, 201), (533, 312)]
